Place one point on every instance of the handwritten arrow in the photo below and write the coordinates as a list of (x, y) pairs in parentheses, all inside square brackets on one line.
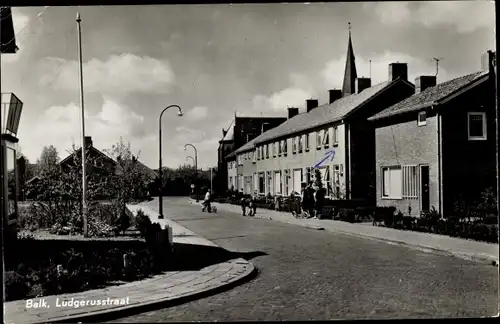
[(328, 155)]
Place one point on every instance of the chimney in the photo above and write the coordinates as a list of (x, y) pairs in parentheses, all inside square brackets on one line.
[(334, 94), (311, 104), (362, 84), (88, 141), (488, 61), (398, 70), (292, 112), (423, 82)]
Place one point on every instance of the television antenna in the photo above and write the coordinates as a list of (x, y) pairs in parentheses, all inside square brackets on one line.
[(437, 59)]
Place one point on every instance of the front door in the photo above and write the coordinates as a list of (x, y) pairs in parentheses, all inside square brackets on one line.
[(424, 188)]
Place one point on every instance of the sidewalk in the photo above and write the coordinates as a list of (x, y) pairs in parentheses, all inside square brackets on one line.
[(461, 248), (163, 290)]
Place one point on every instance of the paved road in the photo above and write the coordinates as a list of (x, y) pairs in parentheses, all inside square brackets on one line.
[(312, 274)]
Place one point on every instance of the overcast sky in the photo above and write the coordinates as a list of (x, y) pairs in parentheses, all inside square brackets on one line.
[(215, 61)]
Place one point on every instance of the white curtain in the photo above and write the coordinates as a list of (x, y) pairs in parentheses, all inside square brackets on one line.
[(297, 180), (277, 182)]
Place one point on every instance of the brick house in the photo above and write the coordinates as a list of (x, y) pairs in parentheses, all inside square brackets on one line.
[(437, 147), (339, 131), (240, 131)]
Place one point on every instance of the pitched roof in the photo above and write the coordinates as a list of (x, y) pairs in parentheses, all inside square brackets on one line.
[(78, 151), (152, 174), (147, 170), (247, 147), (324, 114), (430, 96)]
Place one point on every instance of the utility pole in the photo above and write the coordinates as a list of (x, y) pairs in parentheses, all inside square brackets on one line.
[(84, 175), (211, 179)]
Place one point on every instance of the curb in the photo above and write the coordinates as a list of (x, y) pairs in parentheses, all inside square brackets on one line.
[(460, 255), (476, 258), (110, 314), (115, 313)]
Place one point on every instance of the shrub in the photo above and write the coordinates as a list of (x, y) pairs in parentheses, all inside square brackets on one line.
[(142, 222), (16, 286), (347, 215)]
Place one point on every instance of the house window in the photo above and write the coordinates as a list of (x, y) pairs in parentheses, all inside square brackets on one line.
[(325, 180), (307, 142), (335, 136), (286, 181), (318, 140), (262, 183), (336, 181), (285, 147), (240, 182), (476, 125), (294, 145), (269, 182), (326, 138), (255, 182), (280, 148), (230, 184), (422, 118), (275, 149), (267, 151), (392, 182), (308, 175), (300, 143), (277, 182), (297, 180), (254, 157), (410, 181)]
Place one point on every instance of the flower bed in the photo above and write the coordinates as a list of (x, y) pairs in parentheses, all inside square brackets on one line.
[(48, 264)]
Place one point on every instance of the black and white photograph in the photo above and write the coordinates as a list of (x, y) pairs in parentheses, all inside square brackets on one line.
[(222, 162)]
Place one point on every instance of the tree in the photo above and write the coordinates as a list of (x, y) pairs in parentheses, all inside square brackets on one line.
[(48, 160)]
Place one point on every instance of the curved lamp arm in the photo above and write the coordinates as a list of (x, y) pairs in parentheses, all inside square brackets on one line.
[(195, 150)]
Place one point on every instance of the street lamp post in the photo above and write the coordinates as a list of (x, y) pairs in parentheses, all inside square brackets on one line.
[(196, 169), (192, 158), (160, 197)]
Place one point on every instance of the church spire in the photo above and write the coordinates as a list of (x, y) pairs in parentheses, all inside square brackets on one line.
[(350, 74)]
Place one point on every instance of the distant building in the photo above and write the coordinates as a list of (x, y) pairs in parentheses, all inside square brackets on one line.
[(240, 131), (98, 164), (437, 147)]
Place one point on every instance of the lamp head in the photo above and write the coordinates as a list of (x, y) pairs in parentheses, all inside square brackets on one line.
[(180, 112)]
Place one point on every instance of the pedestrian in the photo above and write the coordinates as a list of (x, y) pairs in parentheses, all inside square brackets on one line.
[(310, 193), (253, 204), (243, 203), (305, 201), (206, 202), (319, 201)]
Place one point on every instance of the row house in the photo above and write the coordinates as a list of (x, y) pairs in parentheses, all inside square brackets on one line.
[(336, 138), (240, 131), (437, 147)]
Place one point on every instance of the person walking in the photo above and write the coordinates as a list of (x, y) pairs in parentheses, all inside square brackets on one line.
[(206, 202), (305, 201), (319, 201), (310, 193), (252, 207), (243, 203)]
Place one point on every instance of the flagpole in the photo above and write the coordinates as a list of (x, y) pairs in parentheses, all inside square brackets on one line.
[(211, 178), (84, 179)]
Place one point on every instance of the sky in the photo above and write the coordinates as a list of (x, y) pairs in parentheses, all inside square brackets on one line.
[(216, 61)]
